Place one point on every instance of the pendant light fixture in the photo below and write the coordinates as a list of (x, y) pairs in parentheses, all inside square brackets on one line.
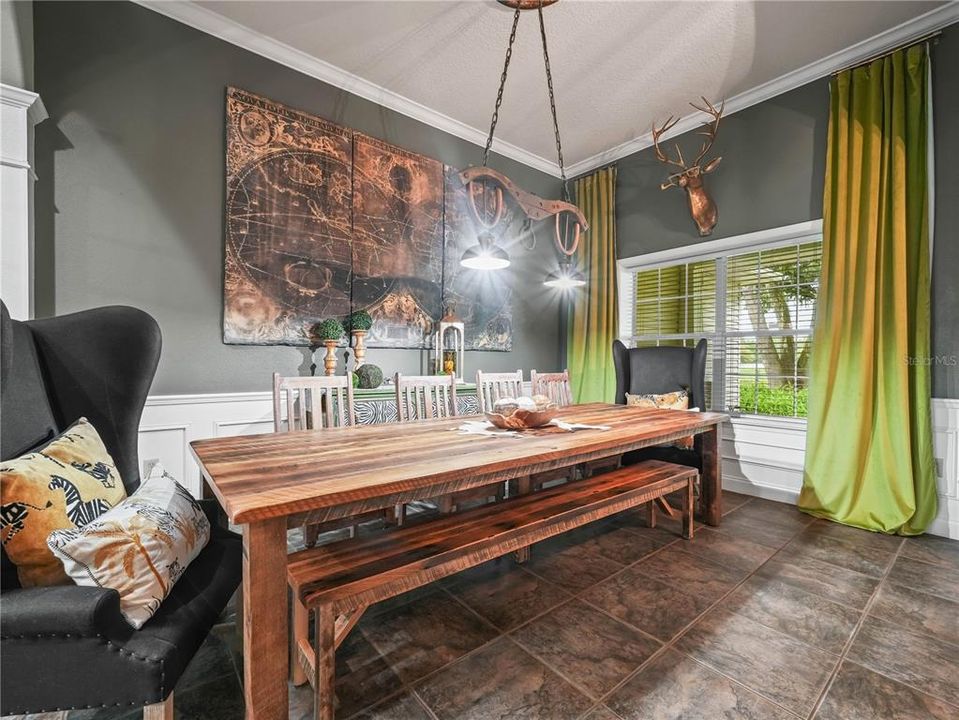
[(485, 187)]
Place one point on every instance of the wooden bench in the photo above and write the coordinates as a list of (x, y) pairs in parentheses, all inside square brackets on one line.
[(339, 581)]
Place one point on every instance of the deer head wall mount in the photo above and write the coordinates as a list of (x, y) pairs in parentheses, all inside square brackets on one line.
[(690, 177)]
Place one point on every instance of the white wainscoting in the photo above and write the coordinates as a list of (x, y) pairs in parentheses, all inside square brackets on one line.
[(763, 458)]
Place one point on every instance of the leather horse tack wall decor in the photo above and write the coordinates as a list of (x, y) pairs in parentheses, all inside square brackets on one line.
[(690, 177)]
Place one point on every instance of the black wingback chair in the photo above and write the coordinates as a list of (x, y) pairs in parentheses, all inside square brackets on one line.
[(657, 370), (68, 647)]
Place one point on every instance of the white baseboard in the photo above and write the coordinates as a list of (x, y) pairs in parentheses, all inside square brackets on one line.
[(761, 459)]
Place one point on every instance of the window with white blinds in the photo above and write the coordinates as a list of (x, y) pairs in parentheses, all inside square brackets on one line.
[(756, 311)]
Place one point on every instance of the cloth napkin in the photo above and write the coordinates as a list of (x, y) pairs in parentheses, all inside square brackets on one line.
[(572, 427), (484, 427)]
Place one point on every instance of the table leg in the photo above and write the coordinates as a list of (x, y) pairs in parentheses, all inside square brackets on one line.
[(265, 654), (712, 481)]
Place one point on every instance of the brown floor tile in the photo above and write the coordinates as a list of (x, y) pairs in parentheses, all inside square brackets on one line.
[(918, 611), (424, 635), (734, 552), (501, 681), (401, 707), (782, 669), (752, 528), (591, 649), (856, 536), (932, 549), (601, 712), (507, 595), (933, 579), (689, 572), (733, 500), (861, 559), (654, 607), (860, 694), (801, 615), (627, 545), (363, 677), (675, 687), (774, 513), (917, 660), (574, 566), (820, 578)]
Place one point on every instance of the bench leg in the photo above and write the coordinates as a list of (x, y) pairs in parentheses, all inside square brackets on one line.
[(300, 636), (159, 711), (651, 513), (522, 555), (310, 535), (689, 506), (325, 648)]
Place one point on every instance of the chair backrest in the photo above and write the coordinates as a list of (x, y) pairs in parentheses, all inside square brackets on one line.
[(422, 397), (98, 364), (490, 387), (555, 386), (656, 370), (312, 403)]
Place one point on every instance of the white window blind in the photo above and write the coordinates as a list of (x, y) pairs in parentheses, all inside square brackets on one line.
[(754, 308)]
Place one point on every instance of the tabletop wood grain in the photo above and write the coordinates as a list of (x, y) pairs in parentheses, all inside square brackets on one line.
[(257, 477)]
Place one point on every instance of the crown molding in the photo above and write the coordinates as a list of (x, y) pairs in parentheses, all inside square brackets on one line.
[(876, 45), (233, 32)]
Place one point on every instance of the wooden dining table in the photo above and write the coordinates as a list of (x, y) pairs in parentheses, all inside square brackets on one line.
[(269, 483)]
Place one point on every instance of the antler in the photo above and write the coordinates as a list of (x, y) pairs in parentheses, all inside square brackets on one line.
[(710, 128), (660, 155)]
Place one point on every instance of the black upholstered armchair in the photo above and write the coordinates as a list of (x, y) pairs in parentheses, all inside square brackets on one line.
[(657, 370), (68, 647)]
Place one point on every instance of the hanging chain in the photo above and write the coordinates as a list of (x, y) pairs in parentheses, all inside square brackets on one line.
[(502, 84), (552, 106)]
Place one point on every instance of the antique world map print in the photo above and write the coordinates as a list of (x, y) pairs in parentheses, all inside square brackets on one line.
[(322, 221)]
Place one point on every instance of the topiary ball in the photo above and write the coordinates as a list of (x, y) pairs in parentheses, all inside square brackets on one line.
[(355, 379), (329, 329), (360, 320), (370, 376)]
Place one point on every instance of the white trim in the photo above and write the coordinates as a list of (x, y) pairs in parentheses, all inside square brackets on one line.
[(20, 110), (233, 32), (209, 398), (240, 35), (772, 237), (887, 40)]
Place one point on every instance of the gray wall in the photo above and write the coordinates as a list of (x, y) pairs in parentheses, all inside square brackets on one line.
[(16, 43), (772, 175), (130, 199)]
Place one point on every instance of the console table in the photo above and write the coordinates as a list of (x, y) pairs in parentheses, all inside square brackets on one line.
[(379, 404)]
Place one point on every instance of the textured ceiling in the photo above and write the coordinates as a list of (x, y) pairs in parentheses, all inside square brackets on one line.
[(617, 66)]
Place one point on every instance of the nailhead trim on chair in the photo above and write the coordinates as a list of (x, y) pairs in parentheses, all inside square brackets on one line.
[(112, 646)]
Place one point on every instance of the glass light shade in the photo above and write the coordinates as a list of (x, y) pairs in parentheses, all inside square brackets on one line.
[(485, 255), (566, 278)]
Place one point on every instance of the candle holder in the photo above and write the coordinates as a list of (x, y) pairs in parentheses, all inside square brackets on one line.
[(329, 360), (449, 346)]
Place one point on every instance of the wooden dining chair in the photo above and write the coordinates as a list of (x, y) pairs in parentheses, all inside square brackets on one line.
[(555, 386), (427, 397), (490, 387), (319, 403)]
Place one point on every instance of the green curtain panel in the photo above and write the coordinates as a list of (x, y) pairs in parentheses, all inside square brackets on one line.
[(869, 458), (593, 322)]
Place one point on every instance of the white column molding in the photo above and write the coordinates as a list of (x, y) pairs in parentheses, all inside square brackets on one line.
[(20, 110)]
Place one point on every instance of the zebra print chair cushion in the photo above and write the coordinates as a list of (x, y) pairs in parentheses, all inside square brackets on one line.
[(64, 485), (139, 548)]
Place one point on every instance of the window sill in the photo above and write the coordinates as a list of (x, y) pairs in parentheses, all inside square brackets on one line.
[(773, 423)]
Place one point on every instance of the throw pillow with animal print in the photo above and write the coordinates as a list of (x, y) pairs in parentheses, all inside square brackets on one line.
[(64, 485), (140, 548)]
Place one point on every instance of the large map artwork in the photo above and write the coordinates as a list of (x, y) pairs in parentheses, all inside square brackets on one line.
[(322, 221)]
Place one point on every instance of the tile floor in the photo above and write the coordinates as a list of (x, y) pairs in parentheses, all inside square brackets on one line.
[(772, 615)]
